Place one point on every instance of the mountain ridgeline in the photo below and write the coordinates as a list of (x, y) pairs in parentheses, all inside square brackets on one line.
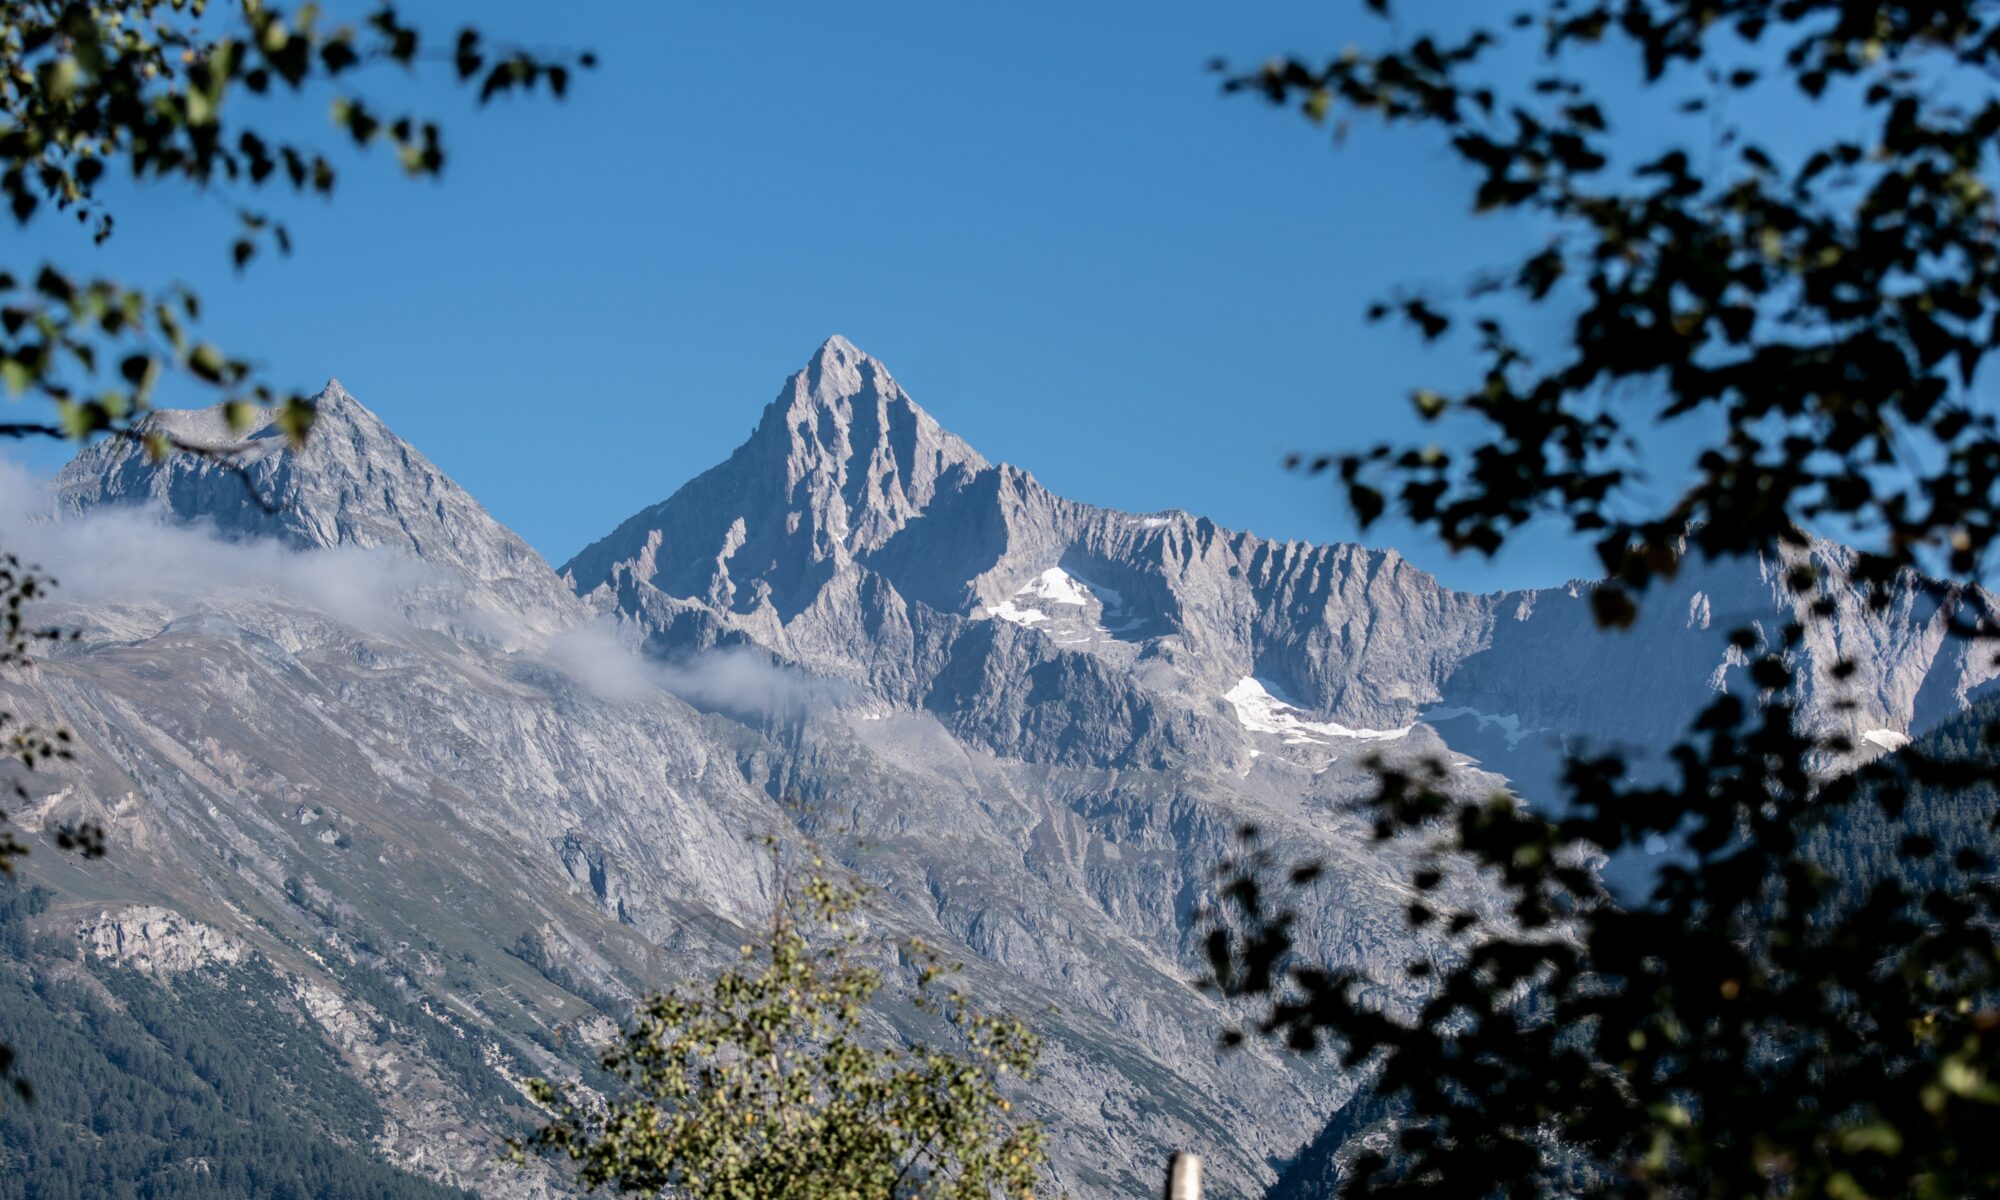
[(377, 772)]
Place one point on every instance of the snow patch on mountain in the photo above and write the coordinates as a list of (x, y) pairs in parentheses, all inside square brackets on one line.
[(1888, 739), (1007, 610), (1261, 712), (1056, 586)]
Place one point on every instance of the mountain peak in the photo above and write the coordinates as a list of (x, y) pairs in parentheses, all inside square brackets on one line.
[(837, 371), (840, 460), (843, 434), (335, 402), (354, 483), (207, 429), (843, 392), (837, 349)]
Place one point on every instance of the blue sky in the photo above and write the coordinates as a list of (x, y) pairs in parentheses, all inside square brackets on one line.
[(1042, 216)]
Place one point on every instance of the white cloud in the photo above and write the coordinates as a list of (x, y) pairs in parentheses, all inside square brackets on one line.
[(114, 555), (132, 556), (738, 681), (595, 657)]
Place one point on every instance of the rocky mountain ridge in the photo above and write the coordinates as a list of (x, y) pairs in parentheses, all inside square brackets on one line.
[(469, 823), (356, 485), (1359, 637)]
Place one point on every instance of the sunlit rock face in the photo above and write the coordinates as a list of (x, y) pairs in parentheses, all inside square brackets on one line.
[(155, 941), (853, 535), (356, 485), (342, 723)]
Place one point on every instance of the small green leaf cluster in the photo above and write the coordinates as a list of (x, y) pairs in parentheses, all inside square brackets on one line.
[(770, 1084), (1827, 295), (1786, 1014), (28, 745), (157, 86), (1823, 296)]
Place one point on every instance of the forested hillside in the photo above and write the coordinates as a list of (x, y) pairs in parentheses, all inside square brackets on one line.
[(149, 1091), (1862, 847)]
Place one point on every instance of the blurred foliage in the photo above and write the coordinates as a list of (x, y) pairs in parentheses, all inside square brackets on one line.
[(1763, 1023), (25, 744), (159, 89), (163, 90), (1833, 306), (770, 1086)]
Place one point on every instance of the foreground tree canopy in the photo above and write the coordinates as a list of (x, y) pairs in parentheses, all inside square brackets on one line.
[(771, 1086), (164, 91), (1823, 290)]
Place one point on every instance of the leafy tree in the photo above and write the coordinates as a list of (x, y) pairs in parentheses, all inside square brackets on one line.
[(159, 89), (768, 1086), (1826, 292), (148, 86)]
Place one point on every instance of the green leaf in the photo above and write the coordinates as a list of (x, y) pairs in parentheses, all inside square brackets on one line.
[(207, 362), (16, 376)]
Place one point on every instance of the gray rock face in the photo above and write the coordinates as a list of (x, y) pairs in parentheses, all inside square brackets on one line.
[(1034, 725), (840, 463), (1545, 680), (157, 942), (355, 485), (1169, 611)]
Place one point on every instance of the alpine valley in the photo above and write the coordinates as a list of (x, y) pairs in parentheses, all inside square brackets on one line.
[(399, 815)]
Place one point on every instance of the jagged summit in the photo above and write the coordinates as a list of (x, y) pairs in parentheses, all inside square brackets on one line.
[(355, 483), (844, 422), (849, 512), (208, 428), (838, 360), (850, 527), (839, 462)]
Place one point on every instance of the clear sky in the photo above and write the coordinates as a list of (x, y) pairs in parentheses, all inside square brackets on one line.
[(1043, 216)]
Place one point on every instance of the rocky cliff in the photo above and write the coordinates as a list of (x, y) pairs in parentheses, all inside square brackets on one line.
[(468, 820)]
